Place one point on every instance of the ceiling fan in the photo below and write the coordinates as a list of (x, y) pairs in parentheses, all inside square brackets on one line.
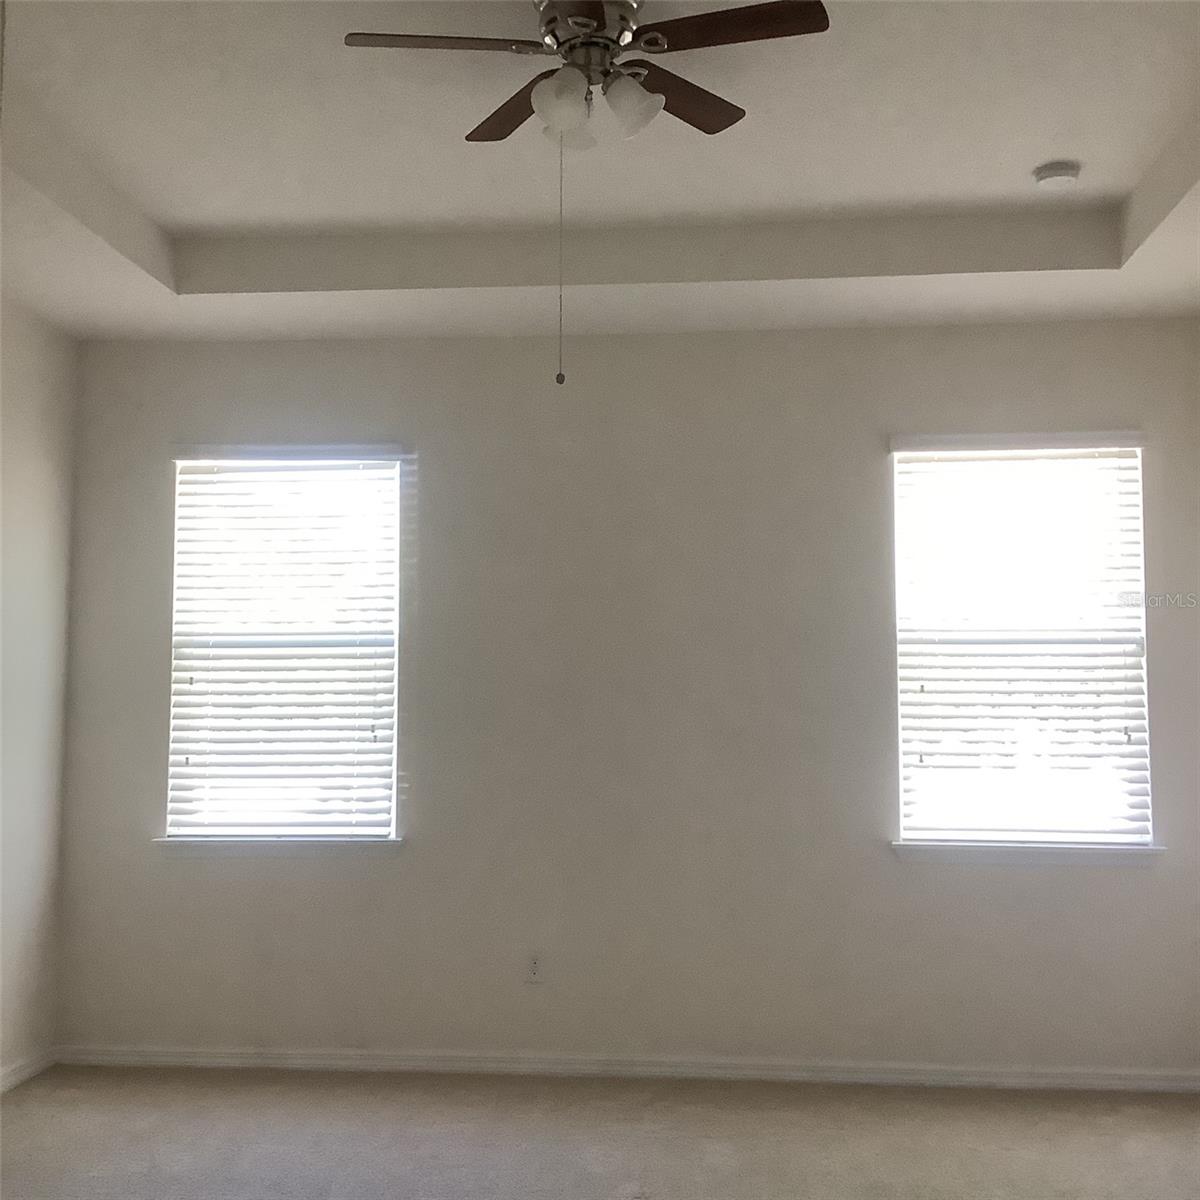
[(590, 36)]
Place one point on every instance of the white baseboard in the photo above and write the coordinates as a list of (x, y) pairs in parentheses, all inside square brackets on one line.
[(910, 1074), (25, 1068)]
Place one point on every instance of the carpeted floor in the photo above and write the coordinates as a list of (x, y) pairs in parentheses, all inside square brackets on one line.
[(103, 1134)]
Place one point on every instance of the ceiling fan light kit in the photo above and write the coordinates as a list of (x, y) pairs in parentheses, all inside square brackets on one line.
[(561, 101), (632, 105), (580, 138)]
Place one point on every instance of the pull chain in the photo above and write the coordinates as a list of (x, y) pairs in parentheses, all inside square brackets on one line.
[(560, 377)]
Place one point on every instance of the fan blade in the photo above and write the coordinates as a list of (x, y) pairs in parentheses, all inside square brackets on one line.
[(755, 23), (691, 104), (419, 41), (510, 116)]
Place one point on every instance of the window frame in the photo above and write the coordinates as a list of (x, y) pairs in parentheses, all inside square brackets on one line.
[(289, 844), (994, 851)]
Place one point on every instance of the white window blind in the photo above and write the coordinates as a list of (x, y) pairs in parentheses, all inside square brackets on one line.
[(287, 610), (1021, 646)]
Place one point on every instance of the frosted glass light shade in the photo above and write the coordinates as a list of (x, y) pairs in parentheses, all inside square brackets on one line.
[(632, 105), (561, 100), (581, 138)]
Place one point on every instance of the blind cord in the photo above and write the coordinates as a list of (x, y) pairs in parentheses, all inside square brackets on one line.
[(3, 48), (560, 377)]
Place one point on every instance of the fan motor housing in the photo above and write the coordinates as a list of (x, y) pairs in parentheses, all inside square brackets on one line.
[(573, 30)]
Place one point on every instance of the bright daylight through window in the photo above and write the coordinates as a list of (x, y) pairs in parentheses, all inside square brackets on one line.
[(287, 617), (1021, 646)]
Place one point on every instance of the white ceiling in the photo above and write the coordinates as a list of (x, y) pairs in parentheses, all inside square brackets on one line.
[(245, 114), (141, 137)]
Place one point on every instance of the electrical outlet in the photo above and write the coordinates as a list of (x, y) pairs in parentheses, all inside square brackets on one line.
[(533, 969)]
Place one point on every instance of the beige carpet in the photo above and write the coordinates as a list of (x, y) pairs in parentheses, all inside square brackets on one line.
[(102, 1134)]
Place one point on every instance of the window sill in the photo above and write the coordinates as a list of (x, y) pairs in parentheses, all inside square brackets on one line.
[(273, 845), (1028, 853)]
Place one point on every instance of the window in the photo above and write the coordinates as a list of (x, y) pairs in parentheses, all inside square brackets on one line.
[(1021, 645), (287, 618)]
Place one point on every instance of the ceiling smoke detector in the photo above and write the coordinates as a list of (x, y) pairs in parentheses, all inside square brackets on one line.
[(1060, 175)]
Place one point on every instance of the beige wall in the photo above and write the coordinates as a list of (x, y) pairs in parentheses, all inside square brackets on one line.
[(652, 717), (39, 377)]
